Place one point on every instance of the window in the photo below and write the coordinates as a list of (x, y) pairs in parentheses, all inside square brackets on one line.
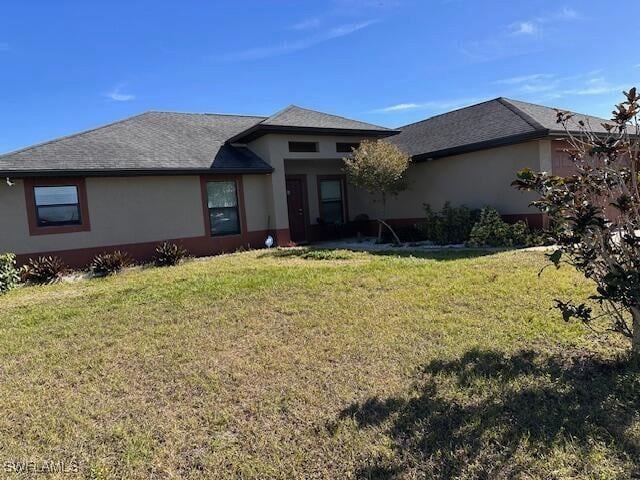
[(303, 147), (222, 201), (57, 206), (331, 200), (346, 147)]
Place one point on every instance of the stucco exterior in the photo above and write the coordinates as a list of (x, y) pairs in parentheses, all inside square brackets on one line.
[(128, 210), (476, 179), (139, 211)]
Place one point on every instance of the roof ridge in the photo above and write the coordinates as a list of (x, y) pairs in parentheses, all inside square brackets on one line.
[(447, 113), (282, 110), (207, 113), (65, 137), (523, 115), (341, 117)]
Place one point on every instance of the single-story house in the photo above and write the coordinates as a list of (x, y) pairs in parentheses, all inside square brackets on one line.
[(217, 182)]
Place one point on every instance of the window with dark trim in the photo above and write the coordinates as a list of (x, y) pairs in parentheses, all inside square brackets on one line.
[(303, 147), (331, 194), (57, 205), (346, 147), (222, 202)]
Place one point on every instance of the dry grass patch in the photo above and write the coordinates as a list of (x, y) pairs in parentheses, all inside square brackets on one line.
[(316, 364)]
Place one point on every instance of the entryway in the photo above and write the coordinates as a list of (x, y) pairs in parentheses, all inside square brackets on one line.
[(297, 206)]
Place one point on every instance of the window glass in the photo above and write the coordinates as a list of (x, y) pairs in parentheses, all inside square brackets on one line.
[(331, 206), (330, 190), (222, 194), (57, 206), (222, 200), (303, 147), (56, 195)]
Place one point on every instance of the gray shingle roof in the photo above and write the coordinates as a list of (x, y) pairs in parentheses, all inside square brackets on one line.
[(152, 141), (495, 122), (299, 120), (294, 116)]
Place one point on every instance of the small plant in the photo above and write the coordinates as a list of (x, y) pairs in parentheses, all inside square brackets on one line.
[(44, 270), (9, 273), (492, 231), (106, 264), (169, 254), (450, 226)]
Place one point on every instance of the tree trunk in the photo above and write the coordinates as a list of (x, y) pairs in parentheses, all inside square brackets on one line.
[(635, 340)]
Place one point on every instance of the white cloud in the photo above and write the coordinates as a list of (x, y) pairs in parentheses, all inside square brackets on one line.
[(566, 14), (398, 108), (117, 95), (297, 45), (533, 26), (433, 105), (308, 24), (523, 28), (524, 79)]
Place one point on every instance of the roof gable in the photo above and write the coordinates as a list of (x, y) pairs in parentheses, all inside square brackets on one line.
[(294, 119), (500, 121), (467, 126)]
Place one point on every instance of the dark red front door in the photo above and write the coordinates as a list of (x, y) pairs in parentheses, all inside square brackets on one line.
[(295, 202)]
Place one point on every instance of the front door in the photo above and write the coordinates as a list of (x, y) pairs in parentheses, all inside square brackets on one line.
[(295, 202)]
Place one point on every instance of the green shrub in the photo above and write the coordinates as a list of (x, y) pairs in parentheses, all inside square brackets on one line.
[(44, 270), (450, 226), (9, 273), (110, 263), (169, 254), (492, 231)]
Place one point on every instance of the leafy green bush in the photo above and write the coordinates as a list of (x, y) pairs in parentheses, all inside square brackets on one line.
[(450, 226), (492, 231), (106, 264), (9, 273), (44, 270), (169, 254)]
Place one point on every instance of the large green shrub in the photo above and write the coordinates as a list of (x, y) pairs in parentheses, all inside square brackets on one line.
[(492, 231), (9, 273), (450, 226)]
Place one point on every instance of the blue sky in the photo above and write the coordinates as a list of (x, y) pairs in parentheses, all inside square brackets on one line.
[(72, 65)]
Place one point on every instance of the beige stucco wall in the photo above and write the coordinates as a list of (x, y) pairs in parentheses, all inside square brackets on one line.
[(126, 210), (274, 149), (474, 179)]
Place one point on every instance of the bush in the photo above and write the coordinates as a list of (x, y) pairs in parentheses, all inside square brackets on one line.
[(492, 231), (450, 226), (109, 263), (43, 270), (9, 273), (169, 254)]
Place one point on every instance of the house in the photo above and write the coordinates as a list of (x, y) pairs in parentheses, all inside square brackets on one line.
[(216, 182)]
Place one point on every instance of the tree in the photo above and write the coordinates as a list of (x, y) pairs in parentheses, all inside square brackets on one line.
[(378, 167), (595, 215)]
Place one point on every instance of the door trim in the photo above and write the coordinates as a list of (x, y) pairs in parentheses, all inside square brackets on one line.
[(305, 202)]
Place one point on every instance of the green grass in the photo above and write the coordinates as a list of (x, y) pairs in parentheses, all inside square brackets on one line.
[(316, 364)]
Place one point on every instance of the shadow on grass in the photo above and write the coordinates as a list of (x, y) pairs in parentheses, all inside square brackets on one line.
[(313, 253), (487, 415)]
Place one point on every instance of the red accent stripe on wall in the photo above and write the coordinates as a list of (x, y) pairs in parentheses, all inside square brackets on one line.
[(143, 252)]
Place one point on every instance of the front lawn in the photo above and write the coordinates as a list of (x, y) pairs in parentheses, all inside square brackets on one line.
[(316, 364)]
